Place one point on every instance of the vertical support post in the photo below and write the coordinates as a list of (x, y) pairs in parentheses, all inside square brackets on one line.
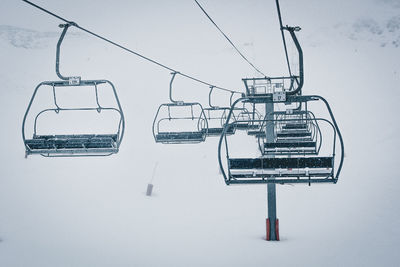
[(272, 220), (150, 185)]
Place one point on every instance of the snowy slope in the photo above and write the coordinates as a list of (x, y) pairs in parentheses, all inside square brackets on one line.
[(94, 212)]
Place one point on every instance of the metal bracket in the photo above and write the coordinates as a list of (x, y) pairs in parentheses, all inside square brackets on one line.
[(74, 80), (292, 28), (279, 97)]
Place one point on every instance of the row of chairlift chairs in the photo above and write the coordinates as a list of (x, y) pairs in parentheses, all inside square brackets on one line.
[(292, 152), (198, 122), (89, 144), (289, 144), (289, 141), (295, 145)]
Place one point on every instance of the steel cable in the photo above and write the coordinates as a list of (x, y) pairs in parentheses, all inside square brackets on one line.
[(129, 50), (227, 38)]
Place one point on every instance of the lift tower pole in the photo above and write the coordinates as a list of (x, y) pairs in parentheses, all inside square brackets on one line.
[(272, 221)]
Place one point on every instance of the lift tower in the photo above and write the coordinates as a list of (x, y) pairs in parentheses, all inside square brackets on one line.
[(272, 220)]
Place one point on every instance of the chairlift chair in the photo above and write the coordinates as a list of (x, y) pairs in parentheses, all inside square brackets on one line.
[(281, 169), (257, 126), (281, 86), (216, 117), (261, 87), (177, 129), (81, 143), (309, 143), (245, 119)]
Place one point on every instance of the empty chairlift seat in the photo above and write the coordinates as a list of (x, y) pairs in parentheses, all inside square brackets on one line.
[(246, 120), (293, 134), (217, 131), (259, 133), (290, 153), (73, 144), (88, 144), (216, 119), (294, 126), (180, 123), (180, 137), (293, 138), (283, 148), (247, 170)]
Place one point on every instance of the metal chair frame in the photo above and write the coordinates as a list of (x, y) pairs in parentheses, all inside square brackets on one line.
[(315, 138), (179, 137), (220, 119), (80, 144), (283, 170), (245, 119)]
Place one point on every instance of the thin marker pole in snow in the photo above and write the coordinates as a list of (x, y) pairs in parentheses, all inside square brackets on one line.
[(150, 185)]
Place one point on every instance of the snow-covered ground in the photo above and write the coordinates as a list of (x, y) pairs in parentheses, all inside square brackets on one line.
[(94, 212)]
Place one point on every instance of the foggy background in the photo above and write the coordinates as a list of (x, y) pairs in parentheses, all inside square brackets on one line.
[(94, 212)]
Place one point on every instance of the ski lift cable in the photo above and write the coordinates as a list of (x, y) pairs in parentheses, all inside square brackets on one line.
[(227, 38), (129, 50), (283, 36)]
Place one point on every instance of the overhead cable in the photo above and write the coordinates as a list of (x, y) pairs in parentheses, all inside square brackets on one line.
[(229, 40), (129, 50)]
